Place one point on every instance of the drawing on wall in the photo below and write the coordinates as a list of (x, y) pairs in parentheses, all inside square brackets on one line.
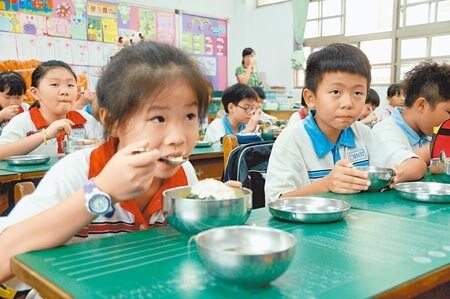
[(33, 24), (102, 9), (78, 28), (58, 27), (109, 30), (80, 7), (94, 29), (9, 21), (63, 9), (165, 27), (147, 23), (37, 7), (12, 5), (124, 12)]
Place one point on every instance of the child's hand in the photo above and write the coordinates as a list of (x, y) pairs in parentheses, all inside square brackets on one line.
[(58, 126), (398, 171), (129, 174), (344, 178), (9, 112), (87, 97), (254, 121)]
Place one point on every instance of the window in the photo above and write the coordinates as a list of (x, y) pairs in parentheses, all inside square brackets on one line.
[(324, 18)]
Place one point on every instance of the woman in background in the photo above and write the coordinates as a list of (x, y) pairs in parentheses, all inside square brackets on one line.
[(247, 72)]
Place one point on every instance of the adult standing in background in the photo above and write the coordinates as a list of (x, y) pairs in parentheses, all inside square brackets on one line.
[(247, 72)]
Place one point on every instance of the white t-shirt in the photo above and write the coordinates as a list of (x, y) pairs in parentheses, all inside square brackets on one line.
[(21, 126)]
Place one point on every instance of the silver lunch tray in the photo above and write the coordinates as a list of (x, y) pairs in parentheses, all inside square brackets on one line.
[(27, 160), (424, 192), (309, 209)]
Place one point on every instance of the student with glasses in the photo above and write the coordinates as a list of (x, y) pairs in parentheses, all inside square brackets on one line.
[(242, 113)]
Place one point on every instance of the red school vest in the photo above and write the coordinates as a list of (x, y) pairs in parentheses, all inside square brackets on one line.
[(40, 123), (98, 159)]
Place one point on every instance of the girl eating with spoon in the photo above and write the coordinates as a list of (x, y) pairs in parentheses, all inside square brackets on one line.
[(151, 97)]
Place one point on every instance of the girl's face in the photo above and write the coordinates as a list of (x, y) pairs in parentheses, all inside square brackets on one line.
[(56, 92), (397, 100), (8, 100), (168, 122), (339, 100), (249, 59), (243, 111)]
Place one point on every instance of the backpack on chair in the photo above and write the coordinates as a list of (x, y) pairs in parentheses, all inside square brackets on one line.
[(441, 140), (247, 163)]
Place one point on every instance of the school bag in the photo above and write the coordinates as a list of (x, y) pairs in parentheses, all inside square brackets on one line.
[(441, 140), (247, 163)]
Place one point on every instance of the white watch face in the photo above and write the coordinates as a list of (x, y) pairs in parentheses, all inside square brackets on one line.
[(99, 204)]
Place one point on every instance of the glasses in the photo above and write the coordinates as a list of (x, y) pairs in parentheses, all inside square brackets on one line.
[(247, 110)]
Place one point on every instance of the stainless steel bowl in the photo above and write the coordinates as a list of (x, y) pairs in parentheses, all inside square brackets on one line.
[(27, 160), (70, 146), (309, 209), (424, 192), (379, 177), (195, 215), (248, 256)]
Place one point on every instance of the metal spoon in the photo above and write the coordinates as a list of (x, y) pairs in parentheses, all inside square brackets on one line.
[(442, 156), (174, 160)]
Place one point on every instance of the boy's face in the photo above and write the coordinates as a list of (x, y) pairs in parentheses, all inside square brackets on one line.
[(8, 100), (367, 109), (168, 122), (243, 111), (433, 117), (339, 100), (397, 100)]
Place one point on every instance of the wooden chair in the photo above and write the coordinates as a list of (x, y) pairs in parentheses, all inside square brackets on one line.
[(21, 189), (229, 142)]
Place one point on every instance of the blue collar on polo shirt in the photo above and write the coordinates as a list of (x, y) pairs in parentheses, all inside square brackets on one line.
[(413, 138), (321, 144), (228, 128)]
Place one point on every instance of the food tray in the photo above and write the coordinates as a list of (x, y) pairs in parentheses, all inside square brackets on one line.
[(203, 144), (27, 160), (309, 209), (424, 192)]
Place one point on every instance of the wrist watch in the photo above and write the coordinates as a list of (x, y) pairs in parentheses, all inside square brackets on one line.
[(97, 202)]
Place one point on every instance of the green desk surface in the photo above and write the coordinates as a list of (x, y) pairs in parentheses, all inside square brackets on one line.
[(29, 168), (389, 202), (215, 148), (364, 255)]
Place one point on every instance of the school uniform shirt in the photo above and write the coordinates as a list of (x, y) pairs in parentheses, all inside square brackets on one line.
[(218, 128), (386, 112), (397, 138), (31, 122), (302, 154), (70, 174), (23, 107)]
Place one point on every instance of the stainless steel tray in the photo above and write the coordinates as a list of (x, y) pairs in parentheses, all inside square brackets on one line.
[(27, 160), (309, 209), (424, 192), (203, 144)]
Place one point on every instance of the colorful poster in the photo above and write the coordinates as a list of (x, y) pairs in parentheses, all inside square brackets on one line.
[(94, 29), (9, 21), (9, 49), (33, 24), (59, 27), (64, 9), (165, 27), (78, 28), (11, 5), (206, 39), (80, 7), (128, 19), (104, 9), (147, 23), (110, 30), (41, 7)]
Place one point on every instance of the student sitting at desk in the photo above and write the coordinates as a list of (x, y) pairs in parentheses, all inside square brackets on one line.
[(150, 99), (427, 105), (12, 91), (42, 129), (242, 114), (319, 155)]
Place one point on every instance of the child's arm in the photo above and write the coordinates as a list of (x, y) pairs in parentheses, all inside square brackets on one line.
[(252, 124), (343, 178), (86, 97), (412, 169), (29, 143), (57, 224)]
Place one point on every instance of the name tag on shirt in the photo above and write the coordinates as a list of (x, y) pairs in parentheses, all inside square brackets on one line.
[(78, 133), (358, 155)]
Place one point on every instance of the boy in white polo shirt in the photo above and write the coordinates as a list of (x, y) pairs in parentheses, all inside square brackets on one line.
[(319, 155), (427, 105)]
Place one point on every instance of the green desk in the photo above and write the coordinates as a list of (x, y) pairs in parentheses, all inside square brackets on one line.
[(30, 171), (389, 202), (367, 254)]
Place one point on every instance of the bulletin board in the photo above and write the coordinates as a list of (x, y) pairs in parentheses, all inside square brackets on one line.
[(206, 39), (79, 32)]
